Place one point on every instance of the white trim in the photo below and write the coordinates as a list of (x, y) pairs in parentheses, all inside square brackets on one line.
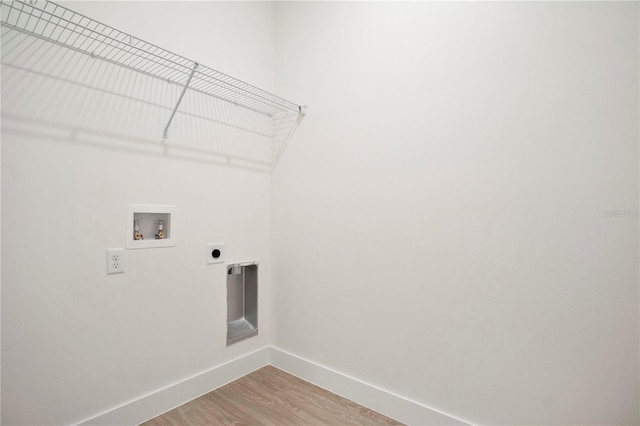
[(388, 403), (153, 404)]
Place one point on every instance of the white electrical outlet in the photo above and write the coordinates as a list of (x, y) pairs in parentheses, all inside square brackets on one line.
[(215, 253), (115, 261)]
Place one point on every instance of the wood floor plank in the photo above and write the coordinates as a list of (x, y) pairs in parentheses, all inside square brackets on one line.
[(267, 397)]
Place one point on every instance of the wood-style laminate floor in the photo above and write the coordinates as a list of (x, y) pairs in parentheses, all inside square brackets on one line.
[(270, 396)]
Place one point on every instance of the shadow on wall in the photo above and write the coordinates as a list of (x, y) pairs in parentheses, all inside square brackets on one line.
[(67, 95)]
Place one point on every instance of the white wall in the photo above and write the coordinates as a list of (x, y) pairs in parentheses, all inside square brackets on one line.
[(441, 224), (76, 342)]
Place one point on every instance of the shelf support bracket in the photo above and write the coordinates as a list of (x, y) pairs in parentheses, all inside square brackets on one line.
[(184, 89)]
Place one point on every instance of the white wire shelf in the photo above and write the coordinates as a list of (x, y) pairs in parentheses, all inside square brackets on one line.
[(27, 24)]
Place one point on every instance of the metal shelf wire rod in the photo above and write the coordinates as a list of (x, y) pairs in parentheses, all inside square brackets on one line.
[(62, 26), (71, 69)]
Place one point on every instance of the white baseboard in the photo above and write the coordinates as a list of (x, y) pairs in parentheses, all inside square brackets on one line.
[(377, 399), (153, 404), (165, 399)]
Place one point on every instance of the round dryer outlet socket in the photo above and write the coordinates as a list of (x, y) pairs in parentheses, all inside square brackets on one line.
[(215, 253)]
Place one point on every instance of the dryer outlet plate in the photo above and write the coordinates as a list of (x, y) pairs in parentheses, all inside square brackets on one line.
[(215, 253)]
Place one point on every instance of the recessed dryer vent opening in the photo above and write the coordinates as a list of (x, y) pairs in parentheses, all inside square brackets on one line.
[(242, 301)]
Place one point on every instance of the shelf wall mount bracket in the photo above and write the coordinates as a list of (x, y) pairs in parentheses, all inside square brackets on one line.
[(175, 109)]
